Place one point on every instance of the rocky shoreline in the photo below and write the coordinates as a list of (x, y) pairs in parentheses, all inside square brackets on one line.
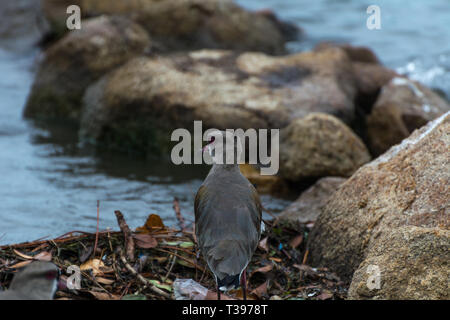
[(372, 146)]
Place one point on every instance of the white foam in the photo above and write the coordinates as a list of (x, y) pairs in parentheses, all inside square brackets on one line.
[(398, 81)]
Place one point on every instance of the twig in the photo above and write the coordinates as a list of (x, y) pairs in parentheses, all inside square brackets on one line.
[(129, 242), (182, 258), (94, 280), (170, 269), (203, 274), (96, 233), (142, 279), (125, 291), (176, 207), (305, 257)]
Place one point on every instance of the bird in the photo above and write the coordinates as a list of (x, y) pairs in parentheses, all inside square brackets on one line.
[(227, 215), (37, 281)]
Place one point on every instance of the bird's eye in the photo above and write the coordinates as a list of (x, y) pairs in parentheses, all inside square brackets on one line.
[(50, 275)]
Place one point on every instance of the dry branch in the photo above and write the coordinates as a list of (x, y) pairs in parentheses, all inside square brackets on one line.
[(129, 241), (142, 279)]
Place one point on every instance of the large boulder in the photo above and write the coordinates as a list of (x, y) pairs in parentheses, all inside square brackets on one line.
[(186, 24), (320, 145), (402, 106), (145, 99), (310, 203), (77, 60), (391, 218)]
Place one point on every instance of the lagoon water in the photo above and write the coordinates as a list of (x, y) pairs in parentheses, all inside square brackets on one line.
[(49, 185)]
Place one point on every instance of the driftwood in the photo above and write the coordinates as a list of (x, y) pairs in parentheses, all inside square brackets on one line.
[(129, 241)]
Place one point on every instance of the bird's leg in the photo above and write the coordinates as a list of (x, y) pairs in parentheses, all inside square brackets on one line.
[(218, 292), (244, 284)]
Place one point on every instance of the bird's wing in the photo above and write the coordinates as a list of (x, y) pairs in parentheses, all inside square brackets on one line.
[(225, 230), (258, 205), (197, 203)]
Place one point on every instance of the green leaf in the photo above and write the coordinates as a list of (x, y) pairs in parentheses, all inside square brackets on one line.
[(186, 244), (171, 243), (158, 284)]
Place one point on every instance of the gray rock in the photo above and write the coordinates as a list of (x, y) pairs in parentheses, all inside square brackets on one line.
[(308, 206)]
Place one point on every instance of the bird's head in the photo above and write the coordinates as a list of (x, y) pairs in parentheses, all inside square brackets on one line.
[(224, 147)]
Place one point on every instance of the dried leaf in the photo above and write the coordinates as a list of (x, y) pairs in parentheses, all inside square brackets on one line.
[(263, 245), (325, 296), (275, 259), (104, 280), (145, 241), (303, 267), (22, 255), (103, 295), (310, 272), (160, 259), (154, 222), (43, 256), (296, 241), (264, 269), (237, 294), (261, 290), (94, 265)]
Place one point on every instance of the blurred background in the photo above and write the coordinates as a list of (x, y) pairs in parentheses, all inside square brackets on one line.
[(49, 183)]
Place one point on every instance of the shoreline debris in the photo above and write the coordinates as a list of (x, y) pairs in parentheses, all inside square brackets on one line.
[(154, 260)]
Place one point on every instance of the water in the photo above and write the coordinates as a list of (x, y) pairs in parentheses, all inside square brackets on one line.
[(49, 186)]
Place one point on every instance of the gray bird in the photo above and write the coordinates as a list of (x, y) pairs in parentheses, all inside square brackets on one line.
[(227, 216), (37, 281)]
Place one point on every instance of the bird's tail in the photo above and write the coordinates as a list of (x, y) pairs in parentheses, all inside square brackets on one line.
[(229, 282)]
